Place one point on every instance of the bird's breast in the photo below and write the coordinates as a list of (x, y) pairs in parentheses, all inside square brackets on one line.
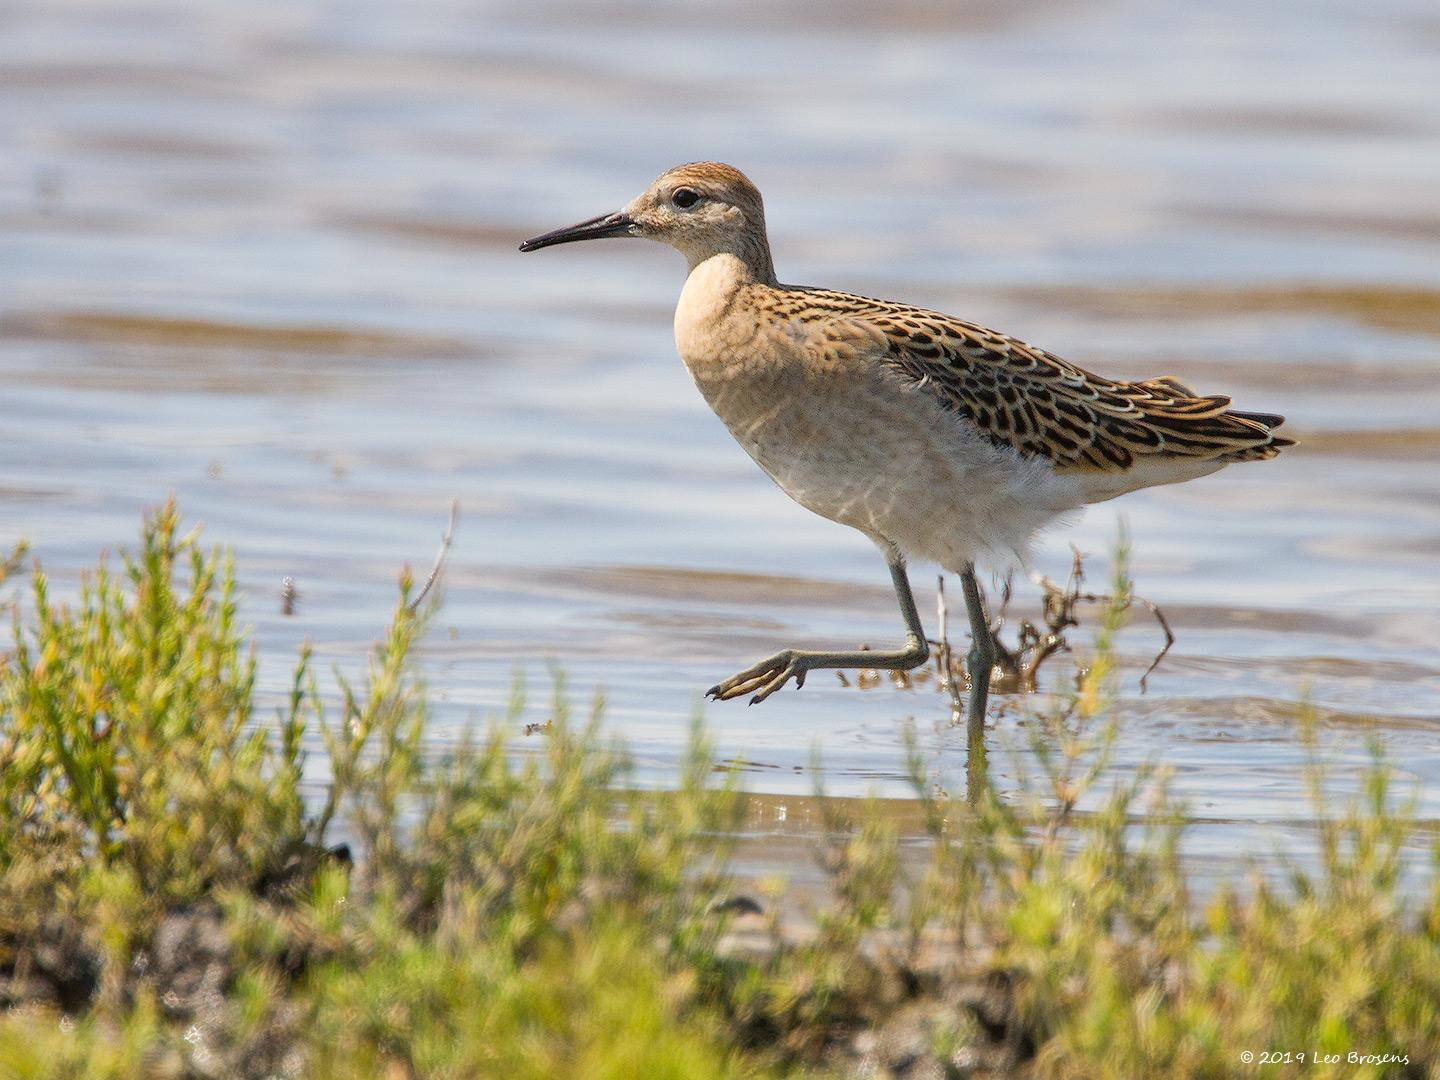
[(706, 327), (849, 439), (759, 375)]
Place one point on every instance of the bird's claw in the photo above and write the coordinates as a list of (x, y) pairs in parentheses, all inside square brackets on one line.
[(763, 679)]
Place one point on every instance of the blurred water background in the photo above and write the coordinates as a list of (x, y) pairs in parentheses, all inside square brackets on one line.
[(262, 255)]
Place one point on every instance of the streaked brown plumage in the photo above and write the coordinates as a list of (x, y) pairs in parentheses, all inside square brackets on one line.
[(936, 437), (1037, 403)]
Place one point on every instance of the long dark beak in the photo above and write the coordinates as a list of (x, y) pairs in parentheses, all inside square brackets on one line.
[(616, 224)]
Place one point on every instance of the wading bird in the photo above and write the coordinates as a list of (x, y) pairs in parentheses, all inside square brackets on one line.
[(935, 437)]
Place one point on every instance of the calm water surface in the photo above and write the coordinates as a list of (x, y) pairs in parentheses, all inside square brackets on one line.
[(262, 255)]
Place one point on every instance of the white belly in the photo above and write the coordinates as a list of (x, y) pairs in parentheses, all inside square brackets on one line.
[(886, 458)]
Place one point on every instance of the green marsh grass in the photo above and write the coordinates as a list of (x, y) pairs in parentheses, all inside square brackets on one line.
[(171, 906)]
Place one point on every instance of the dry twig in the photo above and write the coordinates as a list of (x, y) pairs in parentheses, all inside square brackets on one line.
[(440, 556), (1018, 665), (945, 656)]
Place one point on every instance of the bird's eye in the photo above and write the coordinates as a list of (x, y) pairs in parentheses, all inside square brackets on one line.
[(685, 198)]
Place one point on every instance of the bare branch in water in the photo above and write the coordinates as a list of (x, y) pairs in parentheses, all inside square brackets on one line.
[(1154, 609), (944, 655), (1017, 665), (440, 557), (1060, 605)]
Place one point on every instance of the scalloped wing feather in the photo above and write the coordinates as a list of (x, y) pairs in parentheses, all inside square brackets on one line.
[(1038, 403)]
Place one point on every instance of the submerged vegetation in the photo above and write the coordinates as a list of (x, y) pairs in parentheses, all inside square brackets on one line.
[(171, 905)]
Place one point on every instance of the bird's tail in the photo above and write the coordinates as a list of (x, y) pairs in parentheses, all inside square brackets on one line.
[(1207, 422), (1263, 423)]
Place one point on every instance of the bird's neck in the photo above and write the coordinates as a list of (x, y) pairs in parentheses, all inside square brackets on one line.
[(750, 256), (712, 284)]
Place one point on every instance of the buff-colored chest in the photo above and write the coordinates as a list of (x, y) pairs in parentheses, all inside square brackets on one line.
[(809, 398), (749, 349), (714, 323), (753, 364)]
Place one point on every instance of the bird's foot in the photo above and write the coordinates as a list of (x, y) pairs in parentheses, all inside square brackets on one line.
[(763, 678)]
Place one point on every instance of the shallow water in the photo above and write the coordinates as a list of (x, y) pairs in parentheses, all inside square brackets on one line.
[(262, 255)]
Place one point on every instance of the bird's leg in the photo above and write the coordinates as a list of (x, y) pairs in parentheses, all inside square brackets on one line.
[(981, 658), (770, 674)]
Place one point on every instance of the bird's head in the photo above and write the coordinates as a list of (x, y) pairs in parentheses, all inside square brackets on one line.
[(702, 209)]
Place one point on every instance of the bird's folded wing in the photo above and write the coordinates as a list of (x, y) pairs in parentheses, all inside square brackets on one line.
[(1041, 405)]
